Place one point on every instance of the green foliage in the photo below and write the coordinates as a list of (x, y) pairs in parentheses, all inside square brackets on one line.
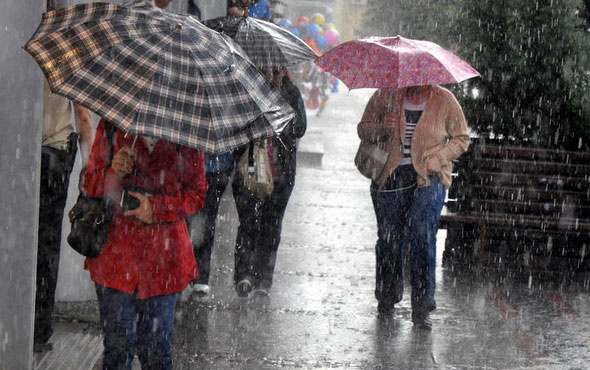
[(532, 55)]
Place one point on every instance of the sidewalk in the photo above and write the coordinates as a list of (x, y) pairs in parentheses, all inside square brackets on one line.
[(321, 312)]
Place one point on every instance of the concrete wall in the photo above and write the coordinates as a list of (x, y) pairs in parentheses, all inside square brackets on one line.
[(212, 8), (21, 85)]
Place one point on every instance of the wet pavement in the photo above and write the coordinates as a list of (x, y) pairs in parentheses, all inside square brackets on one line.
[(321, 312)]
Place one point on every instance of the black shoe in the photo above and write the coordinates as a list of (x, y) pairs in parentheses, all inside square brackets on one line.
[(42, 347), (421, 320), (430, 305), (243, 288), (385, 308)]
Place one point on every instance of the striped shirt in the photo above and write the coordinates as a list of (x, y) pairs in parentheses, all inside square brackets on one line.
[(413, 113)]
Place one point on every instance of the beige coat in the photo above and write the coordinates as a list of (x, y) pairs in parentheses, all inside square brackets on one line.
[(441, 131)]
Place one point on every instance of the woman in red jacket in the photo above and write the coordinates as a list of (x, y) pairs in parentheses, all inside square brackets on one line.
[(148, 256)]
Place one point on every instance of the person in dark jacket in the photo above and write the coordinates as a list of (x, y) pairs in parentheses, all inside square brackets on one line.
[(193, 9), (259, 232)]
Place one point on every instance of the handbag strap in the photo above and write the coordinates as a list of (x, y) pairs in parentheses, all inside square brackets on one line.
[(110, 130), (250, 155)]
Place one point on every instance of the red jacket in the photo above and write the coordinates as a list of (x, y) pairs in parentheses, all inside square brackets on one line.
[(156, 258)]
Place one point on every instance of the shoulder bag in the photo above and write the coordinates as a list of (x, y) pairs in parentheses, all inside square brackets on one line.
[(254, 170), (90, 219), (370, 158)]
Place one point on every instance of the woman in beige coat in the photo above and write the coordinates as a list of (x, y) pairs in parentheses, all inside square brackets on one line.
[(423, 129)]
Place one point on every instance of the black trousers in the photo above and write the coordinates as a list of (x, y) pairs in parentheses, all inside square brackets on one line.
[(201, 225), (56, 166), (259, 233)]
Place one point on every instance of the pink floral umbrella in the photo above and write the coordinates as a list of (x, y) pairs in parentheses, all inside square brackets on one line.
[(378, 62)]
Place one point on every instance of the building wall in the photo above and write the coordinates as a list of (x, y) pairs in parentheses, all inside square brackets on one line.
[(348, 16), (21, 85), (212, 8)]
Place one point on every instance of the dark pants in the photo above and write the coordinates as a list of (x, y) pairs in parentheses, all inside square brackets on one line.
[(409, 217), (259, 233), (128, 322), (203, 223), (56, 166)]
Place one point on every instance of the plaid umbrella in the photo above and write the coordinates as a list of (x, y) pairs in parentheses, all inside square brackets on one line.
[(157, 74), (394, 62), (266, 44)]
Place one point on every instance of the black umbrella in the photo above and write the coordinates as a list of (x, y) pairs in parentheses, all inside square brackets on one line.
[(266, 44)]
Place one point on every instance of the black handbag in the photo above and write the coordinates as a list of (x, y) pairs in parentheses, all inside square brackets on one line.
[(90, 219)]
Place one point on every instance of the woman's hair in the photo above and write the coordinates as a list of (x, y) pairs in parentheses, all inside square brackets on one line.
[(288, 74)]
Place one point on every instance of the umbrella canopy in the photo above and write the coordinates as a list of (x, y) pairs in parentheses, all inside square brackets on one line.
[(378, 62), (157, 74), (266, 44)]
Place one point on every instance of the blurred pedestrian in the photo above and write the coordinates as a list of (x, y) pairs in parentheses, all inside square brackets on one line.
[(256, 8), (425, 129), (259, 232), (148, 256), (237, 7), (162, 3), (59, 147), (193, 9)]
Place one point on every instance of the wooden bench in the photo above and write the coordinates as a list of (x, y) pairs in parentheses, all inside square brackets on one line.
[(519, 208)]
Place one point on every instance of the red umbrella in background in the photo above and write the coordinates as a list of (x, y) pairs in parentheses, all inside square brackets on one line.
[(378, 62)]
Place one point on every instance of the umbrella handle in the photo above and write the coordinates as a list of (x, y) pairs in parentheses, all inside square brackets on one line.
[(251, 157)]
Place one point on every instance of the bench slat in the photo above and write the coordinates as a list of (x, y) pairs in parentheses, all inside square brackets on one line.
[(531, 154), (510, 220)]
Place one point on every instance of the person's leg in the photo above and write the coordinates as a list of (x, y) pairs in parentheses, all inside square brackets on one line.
[(390, 210), (218, 182), (265, 251), (248, 207), (154, 331), (424, 216), (117, 319), (54, 190)]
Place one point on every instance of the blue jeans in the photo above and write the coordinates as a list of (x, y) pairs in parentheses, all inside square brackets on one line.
[(128, 322), (408, 217)]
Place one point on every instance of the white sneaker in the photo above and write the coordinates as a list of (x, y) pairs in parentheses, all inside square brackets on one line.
[(186, 293), (202, 289)]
